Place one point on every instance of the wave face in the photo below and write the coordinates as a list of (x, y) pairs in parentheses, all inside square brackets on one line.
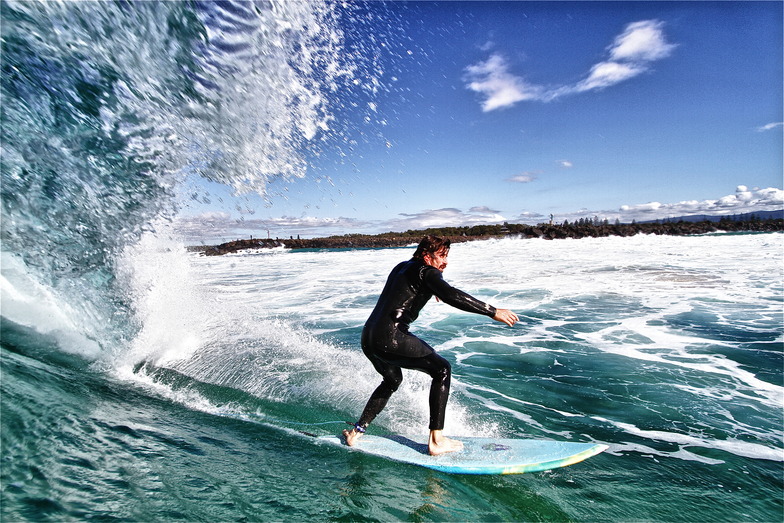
[(108, 106)]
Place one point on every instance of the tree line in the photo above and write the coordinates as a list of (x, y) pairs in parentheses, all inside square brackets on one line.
[(583, 228)]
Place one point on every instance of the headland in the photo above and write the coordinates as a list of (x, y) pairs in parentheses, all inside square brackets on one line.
[(546, 231)]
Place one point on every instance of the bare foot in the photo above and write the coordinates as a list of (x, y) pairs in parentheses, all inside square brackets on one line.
[(440, 444), (351, 436)]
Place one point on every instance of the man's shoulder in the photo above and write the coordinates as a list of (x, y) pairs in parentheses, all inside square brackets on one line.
[(402, 267), (428, 271), (414, 268), (414, 263)]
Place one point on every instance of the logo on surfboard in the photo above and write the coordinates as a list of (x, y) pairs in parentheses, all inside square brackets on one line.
[(495, 447)]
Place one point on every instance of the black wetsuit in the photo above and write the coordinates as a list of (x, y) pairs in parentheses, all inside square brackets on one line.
[(390, 347)]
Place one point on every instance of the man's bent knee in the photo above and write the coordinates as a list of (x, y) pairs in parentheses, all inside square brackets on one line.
[(393, 383), (443, 374)]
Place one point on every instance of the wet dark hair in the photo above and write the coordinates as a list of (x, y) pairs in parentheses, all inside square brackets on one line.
[(431, 245)]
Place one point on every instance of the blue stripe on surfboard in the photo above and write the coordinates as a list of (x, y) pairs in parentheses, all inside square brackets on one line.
[(480, 455)]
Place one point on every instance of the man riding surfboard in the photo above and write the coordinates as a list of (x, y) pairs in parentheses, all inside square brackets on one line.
[(390, 347)]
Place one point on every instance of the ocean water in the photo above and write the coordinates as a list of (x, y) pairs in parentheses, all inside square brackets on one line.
[(141, 382), (668, 349)]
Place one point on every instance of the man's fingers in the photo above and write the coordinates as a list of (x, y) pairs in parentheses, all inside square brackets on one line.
[(506, 316)]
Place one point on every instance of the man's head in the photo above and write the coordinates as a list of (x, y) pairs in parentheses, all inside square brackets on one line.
[(433, 250)]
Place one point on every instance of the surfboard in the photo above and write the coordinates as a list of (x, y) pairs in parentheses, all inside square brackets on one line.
[(479, 455)]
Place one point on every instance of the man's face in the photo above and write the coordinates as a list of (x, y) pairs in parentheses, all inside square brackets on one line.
[(437, 260)]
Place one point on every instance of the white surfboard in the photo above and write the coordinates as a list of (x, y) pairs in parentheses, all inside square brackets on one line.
[(479, 455)]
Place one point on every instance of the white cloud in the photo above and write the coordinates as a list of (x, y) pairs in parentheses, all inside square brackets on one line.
[(487, 46), (605, 74), (566, 164), (219, 227), (483, 209), (642, 208), (446, 217), (641, 43), (744, 200), (770, 126), (529, 217), (526, 177), (500, 88)]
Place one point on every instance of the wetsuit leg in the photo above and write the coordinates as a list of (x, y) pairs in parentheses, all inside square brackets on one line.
[(437, 368), (393, 376)]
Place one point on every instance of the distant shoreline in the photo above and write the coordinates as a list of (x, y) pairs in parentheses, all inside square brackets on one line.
[(576, 230)]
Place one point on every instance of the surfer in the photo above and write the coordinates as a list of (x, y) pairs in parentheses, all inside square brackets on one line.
[(390, 347)]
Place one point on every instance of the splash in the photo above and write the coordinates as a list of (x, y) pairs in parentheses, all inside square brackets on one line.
[(108, 106)]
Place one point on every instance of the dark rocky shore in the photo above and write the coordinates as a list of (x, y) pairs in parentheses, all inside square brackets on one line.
[(576, 230)]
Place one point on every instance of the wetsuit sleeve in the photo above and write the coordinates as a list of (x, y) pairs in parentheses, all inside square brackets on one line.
[(455, 297)]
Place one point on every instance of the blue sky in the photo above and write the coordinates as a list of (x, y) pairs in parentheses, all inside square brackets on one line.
[(513, 111)]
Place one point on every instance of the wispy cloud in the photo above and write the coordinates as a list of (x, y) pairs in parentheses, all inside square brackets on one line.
[(483, 209), (641, 42), (218, 227), (770, 126), (487, 46), (604, 75), (745, 200), (530, 176), (446, 217), (500, 88), (629, 56), (529, 217), (526, 177)]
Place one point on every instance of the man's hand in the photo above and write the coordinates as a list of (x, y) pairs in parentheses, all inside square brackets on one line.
[(506, 316)]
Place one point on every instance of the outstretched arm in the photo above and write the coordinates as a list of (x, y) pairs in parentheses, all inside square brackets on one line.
[(454, 296), (461, 300)]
